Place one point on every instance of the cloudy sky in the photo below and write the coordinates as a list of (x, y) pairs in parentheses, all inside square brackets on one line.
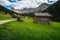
[(21, 4)]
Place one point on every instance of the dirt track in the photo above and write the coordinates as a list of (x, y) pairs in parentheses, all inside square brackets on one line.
[(4, 21)]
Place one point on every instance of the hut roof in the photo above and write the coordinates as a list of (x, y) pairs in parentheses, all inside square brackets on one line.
[(42, 14)]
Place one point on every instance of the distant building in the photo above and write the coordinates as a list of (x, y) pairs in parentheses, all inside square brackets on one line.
[(43, 18)]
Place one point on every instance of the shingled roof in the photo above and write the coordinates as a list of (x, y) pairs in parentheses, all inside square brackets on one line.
[(42, 14)]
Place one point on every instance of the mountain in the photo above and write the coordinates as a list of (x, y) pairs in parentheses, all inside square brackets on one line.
[(16, 10), (5, 10), (54, 10), (28, 10), (42, 7)]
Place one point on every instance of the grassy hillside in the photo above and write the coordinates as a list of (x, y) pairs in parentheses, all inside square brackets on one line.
[(28, 30), (4, 16)]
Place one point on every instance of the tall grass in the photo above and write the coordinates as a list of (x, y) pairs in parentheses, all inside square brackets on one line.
[(27, 30), (4, 16)]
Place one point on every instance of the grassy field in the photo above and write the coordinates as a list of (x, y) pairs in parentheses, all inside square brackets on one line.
[(4, 16), (27, 30)]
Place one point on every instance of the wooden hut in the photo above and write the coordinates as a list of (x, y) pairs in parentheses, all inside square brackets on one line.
[(43, 18)]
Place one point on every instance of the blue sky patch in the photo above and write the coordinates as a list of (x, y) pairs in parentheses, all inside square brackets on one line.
[(50, 1), (12, 0)]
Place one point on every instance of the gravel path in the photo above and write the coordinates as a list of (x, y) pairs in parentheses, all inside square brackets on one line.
[(4, 21)]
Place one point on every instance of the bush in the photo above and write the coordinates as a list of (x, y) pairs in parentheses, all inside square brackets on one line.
[(19, 18)]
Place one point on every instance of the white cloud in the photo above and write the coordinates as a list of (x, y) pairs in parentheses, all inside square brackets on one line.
[(4, 2), (24, 3)]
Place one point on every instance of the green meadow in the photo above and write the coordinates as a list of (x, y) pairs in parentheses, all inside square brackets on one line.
[(4, 16), (27, 30)]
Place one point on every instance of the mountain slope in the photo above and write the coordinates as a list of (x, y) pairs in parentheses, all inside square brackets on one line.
[(6, 10), (55, 11), (38, 9)]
